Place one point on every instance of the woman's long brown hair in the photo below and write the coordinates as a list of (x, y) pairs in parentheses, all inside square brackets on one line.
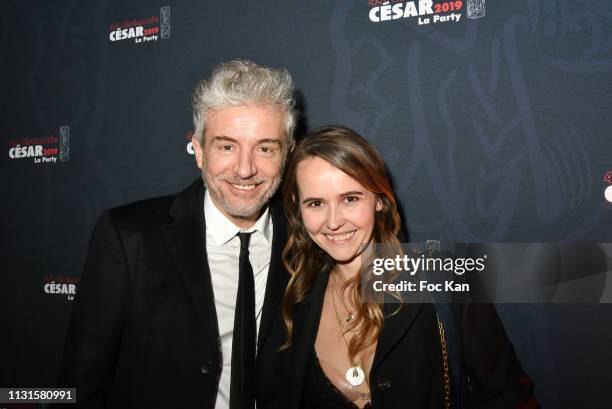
[(304, 259)]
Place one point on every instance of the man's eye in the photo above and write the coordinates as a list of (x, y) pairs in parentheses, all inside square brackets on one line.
[(266, 149), (226, 147)]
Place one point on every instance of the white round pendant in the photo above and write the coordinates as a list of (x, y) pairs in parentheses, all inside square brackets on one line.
[(355, 376)]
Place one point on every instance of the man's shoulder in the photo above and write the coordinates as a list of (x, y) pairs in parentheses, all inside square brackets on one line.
[(145, 209), (149, 212)]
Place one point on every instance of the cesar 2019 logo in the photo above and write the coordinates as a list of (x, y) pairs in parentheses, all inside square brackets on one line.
[(50, 149), (61, 285), (426, 11), (145, 30)]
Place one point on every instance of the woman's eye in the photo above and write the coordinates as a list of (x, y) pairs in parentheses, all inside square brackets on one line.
[(315, 203), (351, 199)]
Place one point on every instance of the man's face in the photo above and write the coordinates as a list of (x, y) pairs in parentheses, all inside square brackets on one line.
[(242, 158)]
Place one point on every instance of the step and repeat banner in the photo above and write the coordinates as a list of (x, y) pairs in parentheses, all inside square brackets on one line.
[(494, 119)]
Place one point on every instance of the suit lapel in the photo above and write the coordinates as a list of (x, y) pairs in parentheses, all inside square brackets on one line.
[(277, 275), (185, 237), (395, 326)]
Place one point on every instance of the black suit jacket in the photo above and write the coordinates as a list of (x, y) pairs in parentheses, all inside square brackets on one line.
[(407, 369), (143, 331)]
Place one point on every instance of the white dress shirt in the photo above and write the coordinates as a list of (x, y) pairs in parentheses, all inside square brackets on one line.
[(223, 249)]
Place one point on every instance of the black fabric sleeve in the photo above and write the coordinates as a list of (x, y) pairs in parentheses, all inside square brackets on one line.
[(94, 332), (498, 380)]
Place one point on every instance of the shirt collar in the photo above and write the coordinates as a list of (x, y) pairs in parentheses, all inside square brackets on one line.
[(222, 230)]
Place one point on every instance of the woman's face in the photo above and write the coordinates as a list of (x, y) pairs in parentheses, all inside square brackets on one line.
[(338, 212)]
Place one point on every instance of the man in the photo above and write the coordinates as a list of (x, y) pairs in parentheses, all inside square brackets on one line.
[(179, 292)]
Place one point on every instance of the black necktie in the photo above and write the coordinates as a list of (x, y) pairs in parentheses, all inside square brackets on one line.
[(242, 390)]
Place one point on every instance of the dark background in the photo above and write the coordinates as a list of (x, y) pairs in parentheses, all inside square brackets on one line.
[(495, 129)]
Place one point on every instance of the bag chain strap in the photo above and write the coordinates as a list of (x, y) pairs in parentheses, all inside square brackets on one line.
[(447, 389)]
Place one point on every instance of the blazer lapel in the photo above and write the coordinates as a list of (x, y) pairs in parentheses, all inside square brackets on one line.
[(395, 326), (185, 237), (306, 318), (277, 275)]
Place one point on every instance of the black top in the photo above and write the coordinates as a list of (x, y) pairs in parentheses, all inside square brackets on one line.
[(321, 393), (407, 369)]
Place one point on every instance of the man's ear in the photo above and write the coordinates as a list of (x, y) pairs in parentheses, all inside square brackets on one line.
[(198, 151)]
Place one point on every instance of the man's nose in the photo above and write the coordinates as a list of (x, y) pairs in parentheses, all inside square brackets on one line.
[(245, 166)]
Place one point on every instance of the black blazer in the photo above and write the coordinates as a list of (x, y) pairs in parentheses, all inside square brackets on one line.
[(143, 330), (407, 370)]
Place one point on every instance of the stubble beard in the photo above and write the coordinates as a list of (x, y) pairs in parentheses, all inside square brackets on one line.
[(232, 206)]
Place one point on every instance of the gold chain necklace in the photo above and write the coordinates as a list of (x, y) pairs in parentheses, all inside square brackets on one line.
[(355, 374), (350, 315)]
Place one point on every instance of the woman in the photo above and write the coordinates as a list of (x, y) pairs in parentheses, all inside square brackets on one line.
[(343, 352)]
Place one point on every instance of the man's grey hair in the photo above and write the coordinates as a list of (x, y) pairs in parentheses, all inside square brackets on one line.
[(241, 82)]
